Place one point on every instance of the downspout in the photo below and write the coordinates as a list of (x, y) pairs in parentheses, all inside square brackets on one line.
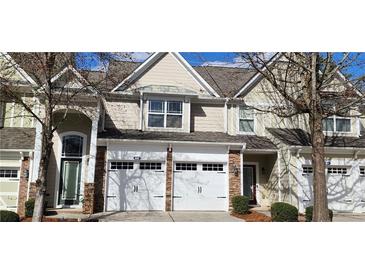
[(289, 177), (225, 116), (279, 174), (141, 111), (241, 167)]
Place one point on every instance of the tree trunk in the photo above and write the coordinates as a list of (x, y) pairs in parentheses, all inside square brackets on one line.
[(320, 209), (47, 144), (41, 182)]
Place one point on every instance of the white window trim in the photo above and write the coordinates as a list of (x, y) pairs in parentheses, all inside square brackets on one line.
[(164, 113), (11, 179), (238, 122), (334, 117)]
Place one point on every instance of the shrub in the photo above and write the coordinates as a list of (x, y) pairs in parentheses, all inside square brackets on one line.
[(309, 214), (29, 208), (240, 204), (8, 216), (283, 212)]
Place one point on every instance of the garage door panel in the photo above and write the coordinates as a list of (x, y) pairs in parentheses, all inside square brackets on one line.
[(137, 189), (200, 190)]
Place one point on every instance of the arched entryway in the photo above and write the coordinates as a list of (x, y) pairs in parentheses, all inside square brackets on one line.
[(73, 150)]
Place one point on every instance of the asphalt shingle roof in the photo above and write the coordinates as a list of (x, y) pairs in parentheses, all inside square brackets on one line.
[(252, 141), (17, 138), (299, 137), (225, 81)]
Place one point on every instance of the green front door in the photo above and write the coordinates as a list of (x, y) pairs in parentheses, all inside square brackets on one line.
[(70, 182)]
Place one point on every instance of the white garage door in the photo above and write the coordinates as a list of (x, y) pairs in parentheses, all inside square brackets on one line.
[(136, 185), (200, 186), (9, 188), (346, 193)]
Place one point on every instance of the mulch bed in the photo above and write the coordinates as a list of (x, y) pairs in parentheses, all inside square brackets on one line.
[(47, 219), (252, 216)]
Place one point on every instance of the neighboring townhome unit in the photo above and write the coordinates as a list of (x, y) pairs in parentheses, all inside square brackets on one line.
[(17, 137)]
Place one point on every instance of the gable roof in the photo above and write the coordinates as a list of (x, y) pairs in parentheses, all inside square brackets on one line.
[(25, 76), (78, 75), (152, 60), (225, 80)]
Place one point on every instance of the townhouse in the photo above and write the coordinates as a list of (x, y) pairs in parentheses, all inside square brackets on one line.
[(169, 136)]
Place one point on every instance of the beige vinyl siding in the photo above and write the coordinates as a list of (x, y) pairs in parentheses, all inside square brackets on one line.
[(207, 117), (168, 71), (124, 115)]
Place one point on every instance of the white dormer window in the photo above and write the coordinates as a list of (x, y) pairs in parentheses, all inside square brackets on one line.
[(246, 121), (165, 114), (337, 124)]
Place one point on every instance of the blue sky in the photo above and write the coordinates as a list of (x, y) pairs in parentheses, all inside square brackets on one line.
[(228, 59)]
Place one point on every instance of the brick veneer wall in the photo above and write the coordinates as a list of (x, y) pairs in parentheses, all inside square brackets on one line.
[(234, 179), (88, 204), (23, 187), (169, 174), (32, 190), (100, 175)]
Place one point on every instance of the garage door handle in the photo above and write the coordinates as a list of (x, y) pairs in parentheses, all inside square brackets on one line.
[(221, 197), (159, 171), (111, 196), (158, 196), (176, 196), (306, 200), (362, 201), (221, 172)]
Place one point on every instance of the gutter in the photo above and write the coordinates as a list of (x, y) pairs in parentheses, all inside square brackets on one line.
[(106, 140)]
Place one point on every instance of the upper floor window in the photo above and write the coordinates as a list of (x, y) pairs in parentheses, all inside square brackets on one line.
[(337, 124), (246, 119), (72, 146), (165, 114)]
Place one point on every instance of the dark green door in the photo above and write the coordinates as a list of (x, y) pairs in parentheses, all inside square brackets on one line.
[(249, 182), (70, 182)]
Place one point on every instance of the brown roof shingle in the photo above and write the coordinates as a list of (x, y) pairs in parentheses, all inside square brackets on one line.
[(252, 141), (17, 138), (299, 137)]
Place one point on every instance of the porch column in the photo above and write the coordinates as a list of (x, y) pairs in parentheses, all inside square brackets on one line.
[(89, 187), (23, 186), (234, 167), (35, 161)]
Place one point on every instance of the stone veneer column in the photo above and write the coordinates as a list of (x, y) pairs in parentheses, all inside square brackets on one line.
[(169, 174), (100, 175), (23, 187), (88, 204), (234, 179)]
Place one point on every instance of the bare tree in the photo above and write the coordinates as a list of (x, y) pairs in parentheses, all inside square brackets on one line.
[(49, 95), (314, 86)]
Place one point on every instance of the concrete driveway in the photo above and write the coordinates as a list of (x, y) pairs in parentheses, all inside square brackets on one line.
[(348, 217), (180, 216)]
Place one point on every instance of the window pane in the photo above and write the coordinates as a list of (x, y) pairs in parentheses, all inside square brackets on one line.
[(246, 113), (156, 106), (246, 126), (174, 107), (72, 146), (328, 124), (155, 120), (174, 121), (343, 125)]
